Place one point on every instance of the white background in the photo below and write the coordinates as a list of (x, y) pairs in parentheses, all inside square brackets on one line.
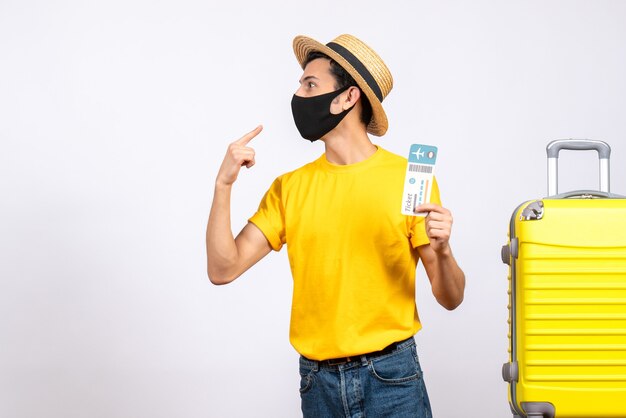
[(115, 116)]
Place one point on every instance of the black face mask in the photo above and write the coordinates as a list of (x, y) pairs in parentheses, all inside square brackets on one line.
[(312, 114)]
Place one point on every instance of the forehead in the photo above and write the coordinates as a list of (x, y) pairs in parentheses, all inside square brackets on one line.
[(320, 69)]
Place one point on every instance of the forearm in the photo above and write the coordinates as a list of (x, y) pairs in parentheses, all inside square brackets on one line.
[(447, 279), (228, 257), (220, 244)]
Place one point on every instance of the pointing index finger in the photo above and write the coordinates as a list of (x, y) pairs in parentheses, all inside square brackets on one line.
[(248, 137)]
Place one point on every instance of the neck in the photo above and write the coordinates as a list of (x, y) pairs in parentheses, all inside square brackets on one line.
[(348, 146)]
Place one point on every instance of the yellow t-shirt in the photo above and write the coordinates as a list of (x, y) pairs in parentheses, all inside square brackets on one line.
[(352, 253)]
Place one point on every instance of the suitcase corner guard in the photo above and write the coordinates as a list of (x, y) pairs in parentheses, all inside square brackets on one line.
[(532, 212), (539, 409)]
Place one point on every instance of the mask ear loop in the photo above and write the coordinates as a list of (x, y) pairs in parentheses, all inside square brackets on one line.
[(353, 104), (337, 99)]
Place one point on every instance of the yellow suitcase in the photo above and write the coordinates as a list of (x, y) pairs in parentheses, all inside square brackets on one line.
[(567, 299)]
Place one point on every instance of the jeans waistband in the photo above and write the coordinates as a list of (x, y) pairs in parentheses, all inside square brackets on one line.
[(335, 362)]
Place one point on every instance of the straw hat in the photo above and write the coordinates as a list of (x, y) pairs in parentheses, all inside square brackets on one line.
[(362, 63)]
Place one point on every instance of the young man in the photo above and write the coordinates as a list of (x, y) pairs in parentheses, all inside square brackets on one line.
[(352, 253)]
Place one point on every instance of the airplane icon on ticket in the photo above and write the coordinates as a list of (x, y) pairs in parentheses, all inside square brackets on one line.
[(419, 153), (423, 154)]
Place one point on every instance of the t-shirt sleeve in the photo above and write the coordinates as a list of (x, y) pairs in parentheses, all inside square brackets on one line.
[(270, 216), (417, 233)]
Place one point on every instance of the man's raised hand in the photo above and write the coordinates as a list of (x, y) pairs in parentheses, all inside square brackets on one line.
[(239, 154)]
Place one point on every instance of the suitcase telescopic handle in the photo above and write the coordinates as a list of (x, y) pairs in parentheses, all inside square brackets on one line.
[(554, 147)]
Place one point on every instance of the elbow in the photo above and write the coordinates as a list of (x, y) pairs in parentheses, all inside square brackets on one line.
[(219, 278), (451, 305), (221, 270), (450, 299), (218, 281)]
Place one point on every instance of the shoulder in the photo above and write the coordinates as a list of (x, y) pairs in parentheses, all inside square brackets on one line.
[(390, 160), (391, 157), (297, 174)]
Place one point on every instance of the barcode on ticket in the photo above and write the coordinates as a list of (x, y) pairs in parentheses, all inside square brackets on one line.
[(417, 168)]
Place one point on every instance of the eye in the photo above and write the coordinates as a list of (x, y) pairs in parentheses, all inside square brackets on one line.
[(311, 84)]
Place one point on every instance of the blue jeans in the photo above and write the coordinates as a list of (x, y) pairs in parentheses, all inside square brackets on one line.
[(390, 385)]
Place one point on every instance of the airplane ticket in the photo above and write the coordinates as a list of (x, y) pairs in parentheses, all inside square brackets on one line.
[(419, 178)]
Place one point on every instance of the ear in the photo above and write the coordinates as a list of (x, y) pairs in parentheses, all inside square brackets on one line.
[(353, 95)]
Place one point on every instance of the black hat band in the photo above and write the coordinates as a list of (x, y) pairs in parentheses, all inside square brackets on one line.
[(358, 66)]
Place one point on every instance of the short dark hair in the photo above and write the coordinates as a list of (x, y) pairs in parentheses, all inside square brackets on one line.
[(343, 79)]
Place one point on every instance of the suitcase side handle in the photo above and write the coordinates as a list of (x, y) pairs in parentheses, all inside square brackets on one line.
[(554, 147)]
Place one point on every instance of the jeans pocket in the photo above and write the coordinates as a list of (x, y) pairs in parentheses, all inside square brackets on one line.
[(396, 368), (306, 378)]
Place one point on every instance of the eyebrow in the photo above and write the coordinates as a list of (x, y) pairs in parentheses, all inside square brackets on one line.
[(308, 77)]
